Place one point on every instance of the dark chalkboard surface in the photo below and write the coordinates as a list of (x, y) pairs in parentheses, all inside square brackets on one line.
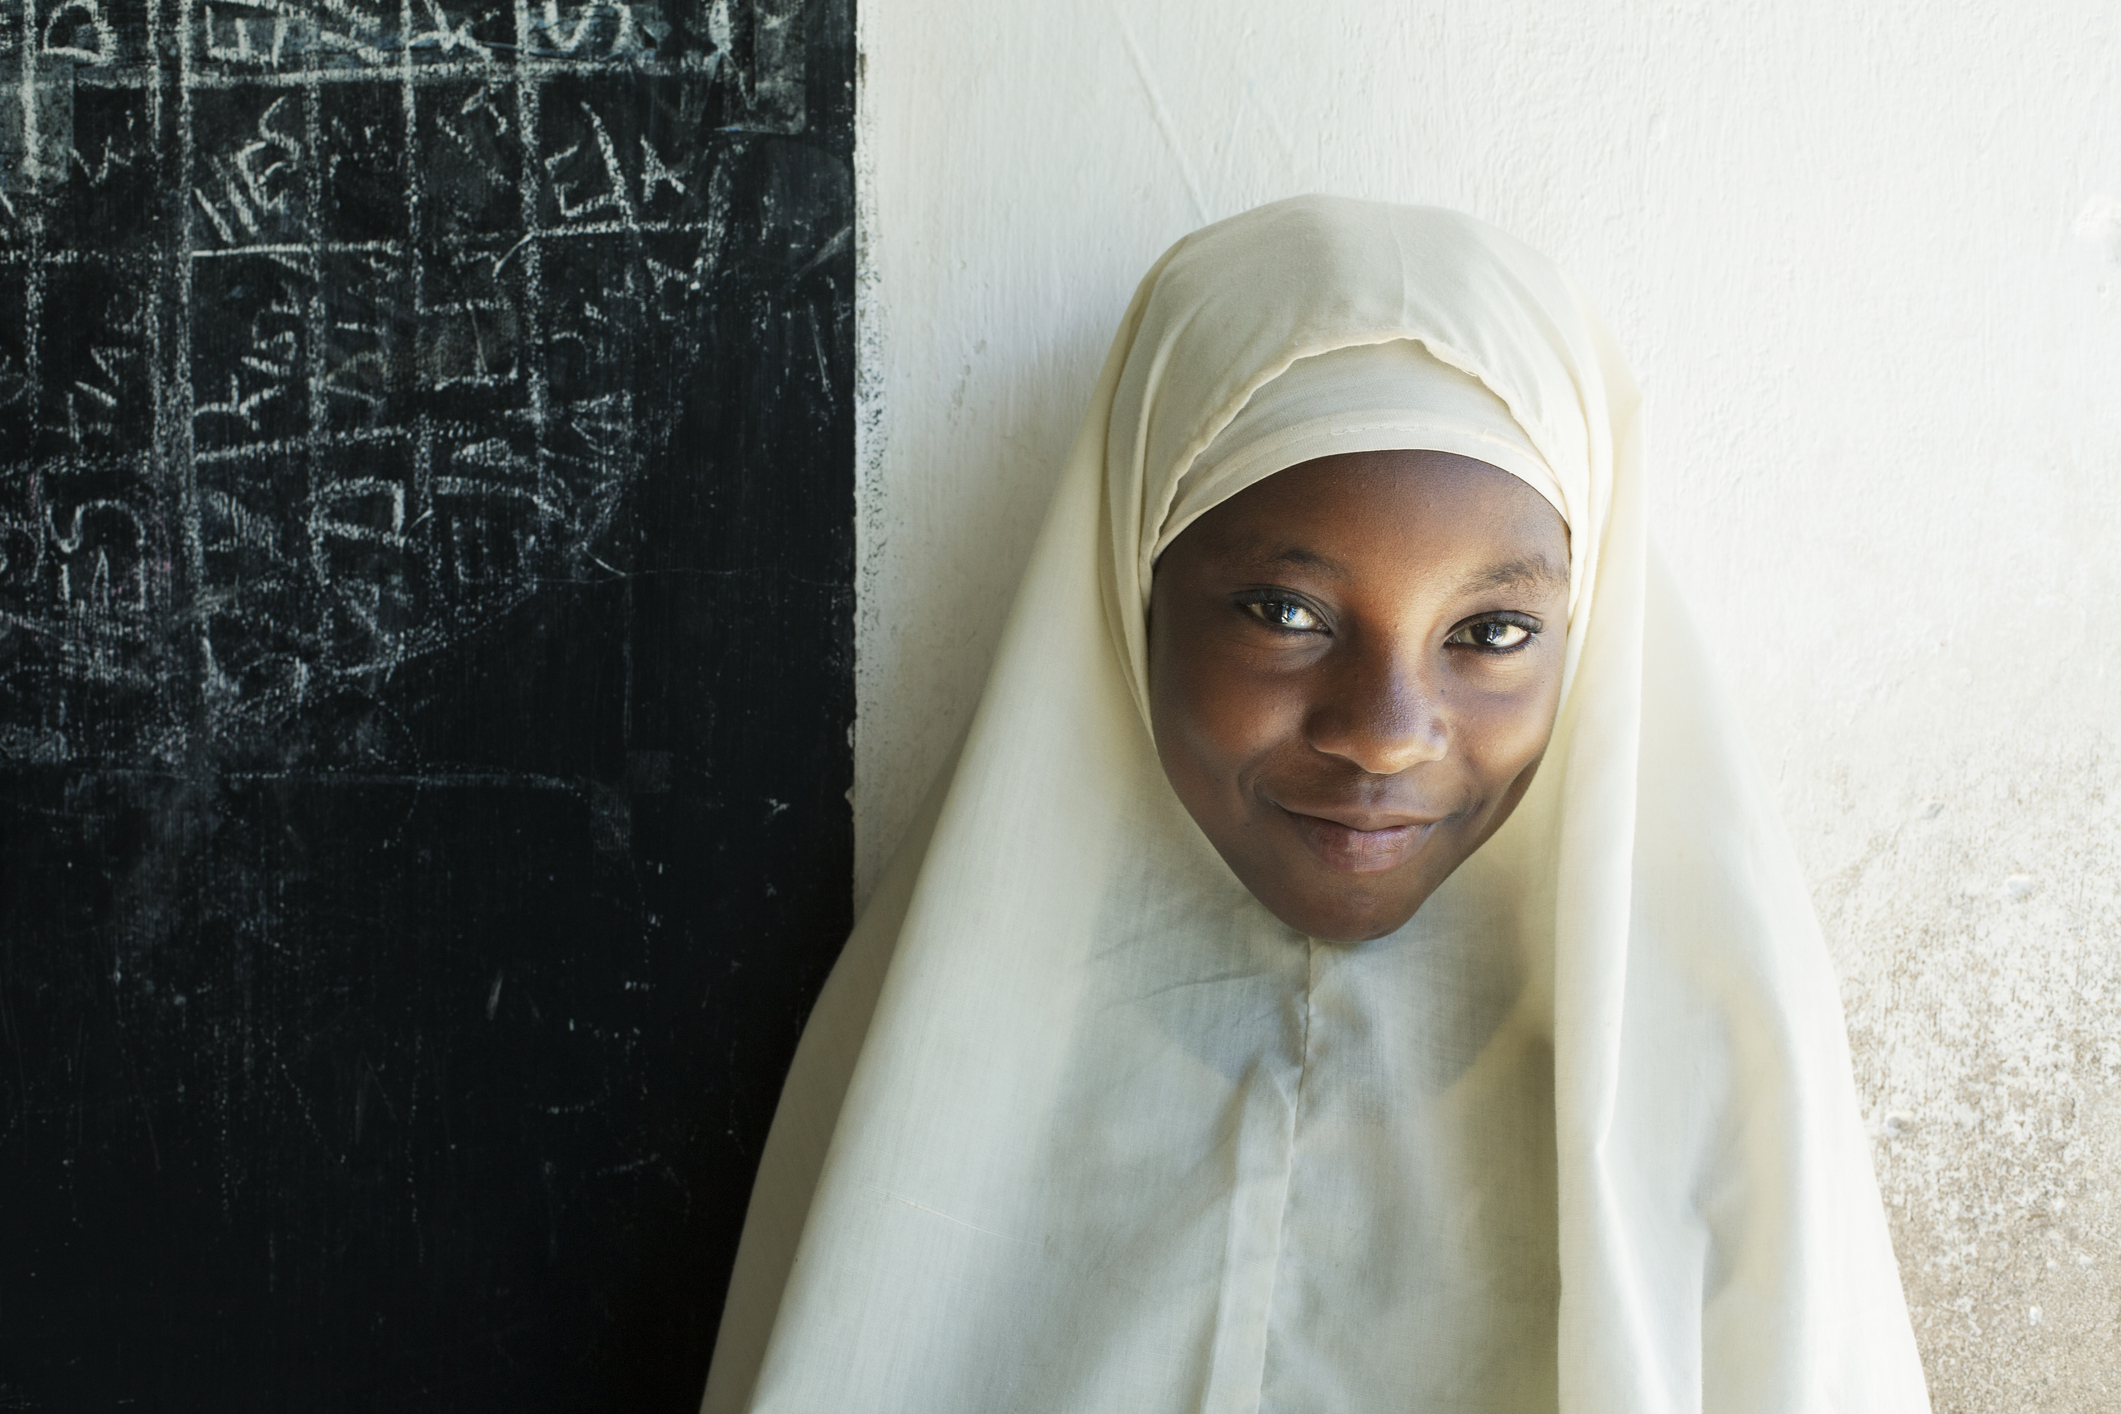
[(426, 508)]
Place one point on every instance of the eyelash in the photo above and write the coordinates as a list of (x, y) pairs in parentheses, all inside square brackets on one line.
[(1265, 610), (1526, 622)]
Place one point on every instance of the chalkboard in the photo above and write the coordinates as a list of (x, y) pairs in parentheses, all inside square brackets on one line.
[(426, 507)]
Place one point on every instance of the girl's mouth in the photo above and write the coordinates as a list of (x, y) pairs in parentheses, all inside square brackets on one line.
[(1349, 849)]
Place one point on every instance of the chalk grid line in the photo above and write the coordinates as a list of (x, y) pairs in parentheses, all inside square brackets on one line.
[(318, 318)]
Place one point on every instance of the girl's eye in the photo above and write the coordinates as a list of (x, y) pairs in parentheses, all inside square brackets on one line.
[(1285, 614), (1493, 635)]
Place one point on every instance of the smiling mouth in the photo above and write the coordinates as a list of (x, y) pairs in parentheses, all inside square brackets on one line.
[(1345, 849)]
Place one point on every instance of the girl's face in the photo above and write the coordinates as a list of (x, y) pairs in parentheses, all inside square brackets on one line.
[(1354, 667)]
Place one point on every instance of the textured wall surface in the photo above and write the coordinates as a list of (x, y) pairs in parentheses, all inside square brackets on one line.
[(1867, 260)]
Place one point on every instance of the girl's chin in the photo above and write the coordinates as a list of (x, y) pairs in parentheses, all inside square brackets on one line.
[(1334, 912)]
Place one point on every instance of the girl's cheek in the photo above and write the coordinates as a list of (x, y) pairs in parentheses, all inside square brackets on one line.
[(1231, 709), (1232, 731), (1505, 734)]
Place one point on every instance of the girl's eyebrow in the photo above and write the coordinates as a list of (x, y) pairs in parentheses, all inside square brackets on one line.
[(1525, 572), (1268, 555)]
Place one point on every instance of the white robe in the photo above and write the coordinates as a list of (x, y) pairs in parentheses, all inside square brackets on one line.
[(1077, 1125)]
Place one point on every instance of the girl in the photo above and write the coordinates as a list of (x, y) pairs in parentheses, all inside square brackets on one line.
[(1351, 965)]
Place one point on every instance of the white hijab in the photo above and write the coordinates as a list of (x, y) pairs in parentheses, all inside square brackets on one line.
[(1078, 1125)]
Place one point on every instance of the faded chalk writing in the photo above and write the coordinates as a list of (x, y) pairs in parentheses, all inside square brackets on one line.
[(318, 321), (426, 684)]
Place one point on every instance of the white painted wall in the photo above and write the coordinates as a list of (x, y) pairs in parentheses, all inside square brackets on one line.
[(1867, 260)]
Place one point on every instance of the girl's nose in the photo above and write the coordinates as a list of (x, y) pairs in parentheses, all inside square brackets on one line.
[(1379, 714)]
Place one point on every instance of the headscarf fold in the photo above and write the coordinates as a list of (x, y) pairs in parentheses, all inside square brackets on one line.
[(1077, 1125), (1391, 396)]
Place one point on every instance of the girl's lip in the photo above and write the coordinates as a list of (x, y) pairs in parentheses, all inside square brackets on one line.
[(1346, 849)]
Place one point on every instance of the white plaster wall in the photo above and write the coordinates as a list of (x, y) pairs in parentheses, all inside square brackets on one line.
[(1867, 260)]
